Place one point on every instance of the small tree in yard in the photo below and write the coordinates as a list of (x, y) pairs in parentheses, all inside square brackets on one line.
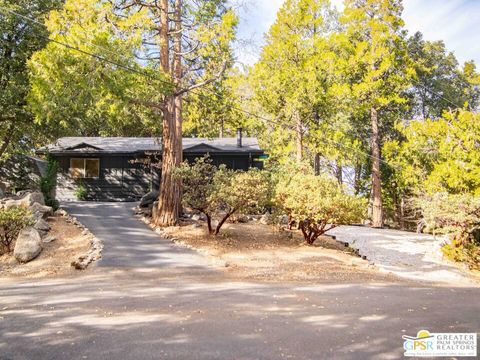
[(317, 204), (220, 193), (458, 215), (11, 222)]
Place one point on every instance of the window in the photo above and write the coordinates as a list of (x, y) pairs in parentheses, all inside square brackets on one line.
[(84, 168)]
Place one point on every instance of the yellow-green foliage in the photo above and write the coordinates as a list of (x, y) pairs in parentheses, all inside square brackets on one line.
[(441, 155), (468, 253), (222, 192), (317, 204), (458, 215), (11, 222)]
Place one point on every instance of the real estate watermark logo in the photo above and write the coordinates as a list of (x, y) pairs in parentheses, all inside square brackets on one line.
[(440, 344)]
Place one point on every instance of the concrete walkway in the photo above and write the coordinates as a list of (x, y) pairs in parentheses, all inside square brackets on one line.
[(406, 254), (130, 243)]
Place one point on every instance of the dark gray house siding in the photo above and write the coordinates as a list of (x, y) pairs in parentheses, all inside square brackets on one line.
[(123, 175)]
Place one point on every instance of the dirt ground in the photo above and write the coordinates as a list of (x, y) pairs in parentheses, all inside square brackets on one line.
[(254, 251), (56, 256)]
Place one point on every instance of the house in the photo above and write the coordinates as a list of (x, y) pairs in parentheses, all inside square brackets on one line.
[(125, 169)]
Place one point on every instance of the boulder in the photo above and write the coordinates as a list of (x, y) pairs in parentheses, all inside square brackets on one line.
[(49, 239), (41, 211), (42, 227), (148, 199), (266, 219), (28, 245), (155, 210), (61, 212), (14, 203), (283, 220), (199, 217), (31, 198)]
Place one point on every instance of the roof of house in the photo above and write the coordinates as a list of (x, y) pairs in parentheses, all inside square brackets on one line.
[(126, 145)]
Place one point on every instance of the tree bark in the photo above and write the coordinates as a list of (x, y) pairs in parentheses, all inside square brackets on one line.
[(299, 138), (377, 208), (7, 138), (222, 128), (339, 173), (316, 164), (169, 198), (358, 176)]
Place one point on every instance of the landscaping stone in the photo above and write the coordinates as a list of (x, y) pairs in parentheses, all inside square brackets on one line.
[(155, 209), (148, 199), (49, 239), (9, 204), (266, 219), (33, 197), (41, 211), (28, 245), (61, 212), (199, 217), (42, 227)]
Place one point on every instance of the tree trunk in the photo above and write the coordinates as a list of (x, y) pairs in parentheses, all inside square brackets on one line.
[(169, 198), (377, 208), (222, 128), (339, 173), (299, 138), (358, 176), (7, 138), (316, 164)]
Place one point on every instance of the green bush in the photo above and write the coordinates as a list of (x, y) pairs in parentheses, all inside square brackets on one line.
[(459, 216), (317, 204), (47, 183), (220, 193), (11, 222), (81, 193)]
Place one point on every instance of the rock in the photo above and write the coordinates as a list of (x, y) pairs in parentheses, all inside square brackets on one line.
[(49, 239), (33, 197), (28, 245), (42, 227), (149, 199), (155, 209), (14, 203), (266, 219), (61, 212), (242, 219), (41, 211), (196, 226), (283, 220), (199, 217)]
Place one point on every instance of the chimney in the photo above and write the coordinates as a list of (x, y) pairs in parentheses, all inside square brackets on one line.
[(239, 137)]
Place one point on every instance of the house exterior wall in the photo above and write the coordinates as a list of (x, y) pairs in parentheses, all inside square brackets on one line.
[(121, 180)]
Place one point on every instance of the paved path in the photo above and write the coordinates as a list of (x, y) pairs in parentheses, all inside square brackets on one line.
[(130, 243), (406, 254), (172, 307)]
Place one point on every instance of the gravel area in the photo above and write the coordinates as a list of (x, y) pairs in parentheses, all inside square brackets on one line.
[(405, 254)]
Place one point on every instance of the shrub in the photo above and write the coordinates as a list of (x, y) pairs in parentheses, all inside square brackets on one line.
[(219, 193), (11, 222), (458, 215), (47, 183), (317, 204), (451, 214), (81, 193)]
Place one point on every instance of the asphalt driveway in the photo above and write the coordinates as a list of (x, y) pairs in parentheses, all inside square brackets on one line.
[(161, 302)]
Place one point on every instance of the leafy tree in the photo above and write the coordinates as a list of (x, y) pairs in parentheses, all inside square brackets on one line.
[(19, 39), (220, 193), (438, 155), (75, 94), (440, 82), (295, 80), (317, 204), (12, 221), (380, 69)]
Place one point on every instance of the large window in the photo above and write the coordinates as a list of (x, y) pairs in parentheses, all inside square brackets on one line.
[(85, 168)]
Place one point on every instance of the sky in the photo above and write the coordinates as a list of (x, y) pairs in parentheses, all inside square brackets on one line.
[(456, 22)]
